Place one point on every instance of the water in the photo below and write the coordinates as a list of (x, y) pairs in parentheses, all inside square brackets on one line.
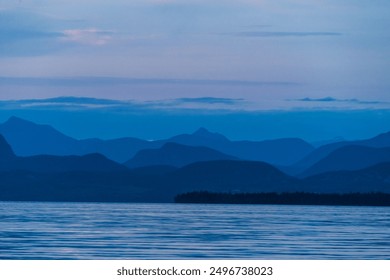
[(175, 231)]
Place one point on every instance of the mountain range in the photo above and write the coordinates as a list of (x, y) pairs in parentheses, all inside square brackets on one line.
[(379, 141), (38, 162), (368, 180), (47, 163), (351, 157), (177, 155), (284, 151), (28, 139)]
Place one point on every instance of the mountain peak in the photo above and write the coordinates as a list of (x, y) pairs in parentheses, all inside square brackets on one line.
[(16, 123), (20, 124), (204, 133), (201, 130), (17, 120)]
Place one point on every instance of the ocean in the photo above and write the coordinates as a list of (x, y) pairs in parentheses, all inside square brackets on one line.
[(92, 231)]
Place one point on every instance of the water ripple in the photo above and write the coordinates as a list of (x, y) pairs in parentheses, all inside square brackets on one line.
[(175, 231)]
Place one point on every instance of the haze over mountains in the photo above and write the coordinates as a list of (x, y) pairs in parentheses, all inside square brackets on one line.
[(371, 179), (48, 163), (278, 151), (29, 139), (38, 162), (350, 157), (176, 155), (379, 141)]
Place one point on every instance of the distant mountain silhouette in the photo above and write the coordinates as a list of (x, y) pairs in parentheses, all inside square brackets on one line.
[(318, 144), (349, 158), (46, 163), (379, 141), (176, 155), (201, 137), (162, 184), (136, 185), (66, 169), (368, 180), (117, 186), (279, 151), (28, 139), (119, 150), (227, 175)]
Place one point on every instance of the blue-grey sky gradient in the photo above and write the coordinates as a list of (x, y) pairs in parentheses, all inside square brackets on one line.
[(198, 60)]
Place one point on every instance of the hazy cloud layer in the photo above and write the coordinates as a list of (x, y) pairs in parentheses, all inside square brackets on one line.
[(210, 100), (96, 81), (284, 34), (86, 103), (72, 103), (332, 99), (87, 36), (270, 52)]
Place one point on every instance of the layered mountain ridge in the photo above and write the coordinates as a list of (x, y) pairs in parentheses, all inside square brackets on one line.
[(157, 171)]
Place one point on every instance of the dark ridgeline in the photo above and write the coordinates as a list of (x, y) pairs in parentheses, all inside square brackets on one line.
[(283, 151), (28, 139), (349, 157), (48, 164), (371, 179), (379, 141), (227, 175), (177, 155), (185, 163), (295, 198)]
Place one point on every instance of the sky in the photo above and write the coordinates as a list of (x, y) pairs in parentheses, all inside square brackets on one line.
[(155, 68)]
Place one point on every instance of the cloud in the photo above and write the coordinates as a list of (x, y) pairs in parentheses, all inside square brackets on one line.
[(324, 99), (65, 102), (79, 100), (109, 81), (27, 33), (332, 99), (210, 100), (71, 103), (87, 36), (87, 103), (284, 34)]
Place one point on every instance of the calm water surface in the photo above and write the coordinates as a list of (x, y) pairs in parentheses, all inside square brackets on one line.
[(176, 231)]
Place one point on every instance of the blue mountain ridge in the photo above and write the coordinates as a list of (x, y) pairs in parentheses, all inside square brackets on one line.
[(380, 141), (47, 163), (351, 157), (177, 155), (182, 168), (28, 138)]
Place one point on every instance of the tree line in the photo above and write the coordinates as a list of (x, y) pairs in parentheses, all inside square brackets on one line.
[(293, 198)]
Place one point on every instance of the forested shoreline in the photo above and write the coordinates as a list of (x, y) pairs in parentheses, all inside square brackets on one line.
[(295, 198)]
